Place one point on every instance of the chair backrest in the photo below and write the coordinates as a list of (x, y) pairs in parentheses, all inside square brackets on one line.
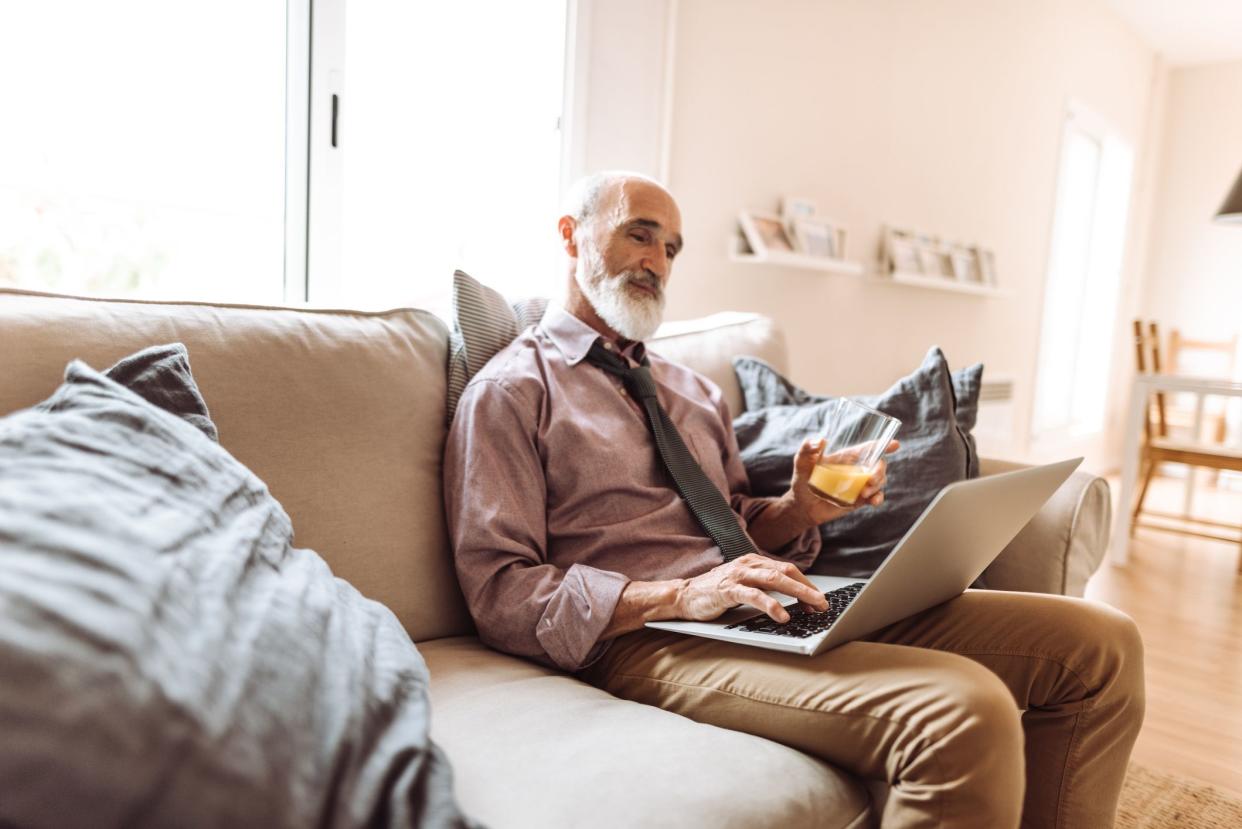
[(1147, 342), (1214, 358)]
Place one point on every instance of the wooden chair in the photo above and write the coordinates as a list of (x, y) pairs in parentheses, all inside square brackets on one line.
[(1188, 414), (1183, 416), (1159, 448)]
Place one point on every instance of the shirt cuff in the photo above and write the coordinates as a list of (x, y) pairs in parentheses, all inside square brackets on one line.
[(576, 615)]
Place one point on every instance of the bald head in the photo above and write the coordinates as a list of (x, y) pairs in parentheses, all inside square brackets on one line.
[(599, 191)]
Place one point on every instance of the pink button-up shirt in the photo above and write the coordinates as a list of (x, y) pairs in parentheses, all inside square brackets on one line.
[(556, 496)]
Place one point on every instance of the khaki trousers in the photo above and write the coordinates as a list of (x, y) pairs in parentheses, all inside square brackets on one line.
[(962, 708)]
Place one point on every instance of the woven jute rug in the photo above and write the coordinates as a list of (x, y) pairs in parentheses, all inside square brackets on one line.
[(1153, 800)]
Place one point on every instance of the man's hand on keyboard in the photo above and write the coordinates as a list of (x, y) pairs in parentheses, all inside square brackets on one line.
[(743, 581)]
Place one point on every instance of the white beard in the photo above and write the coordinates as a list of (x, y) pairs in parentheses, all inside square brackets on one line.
[(629, 312)]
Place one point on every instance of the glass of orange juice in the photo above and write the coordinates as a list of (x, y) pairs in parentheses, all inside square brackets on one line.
[(854, 441)]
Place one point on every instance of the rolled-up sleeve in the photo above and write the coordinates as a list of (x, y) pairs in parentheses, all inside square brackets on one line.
[(495, 498), (802, 550)]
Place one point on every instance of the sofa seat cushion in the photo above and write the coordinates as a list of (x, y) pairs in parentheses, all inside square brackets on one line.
[(535, 747)]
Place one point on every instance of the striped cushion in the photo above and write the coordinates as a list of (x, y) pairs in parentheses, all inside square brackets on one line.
[(483, 323)]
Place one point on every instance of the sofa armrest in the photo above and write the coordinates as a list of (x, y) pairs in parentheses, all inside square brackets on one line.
[(1062, 545)]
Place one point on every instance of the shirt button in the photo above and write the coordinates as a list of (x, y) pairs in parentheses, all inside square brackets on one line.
[(608, 346)]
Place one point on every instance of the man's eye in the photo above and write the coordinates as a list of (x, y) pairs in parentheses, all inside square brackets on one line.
[(670, 252), (639, 236)]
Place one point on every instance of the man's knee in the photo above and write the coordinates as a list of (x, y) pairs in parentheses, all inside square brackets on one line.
[(1123, 642), (1120, 647), (1111, 646)]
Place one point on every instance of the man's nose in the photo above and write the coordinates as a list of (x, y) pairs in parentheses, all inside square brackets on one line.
[(657, 264)]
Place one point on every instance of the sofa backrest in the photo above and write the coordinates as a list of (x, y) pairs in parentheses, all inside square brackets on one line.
[(709, 344), (340, 412)]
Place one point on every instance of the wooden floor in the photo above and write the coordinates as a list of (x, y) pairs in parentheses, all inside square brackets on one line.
[(1186, 596)]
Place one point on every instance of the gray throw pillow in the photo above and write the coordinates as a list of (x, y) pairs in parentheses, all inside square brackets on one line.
[(483, 323), (937, 410), (167, 657), (161, 376)]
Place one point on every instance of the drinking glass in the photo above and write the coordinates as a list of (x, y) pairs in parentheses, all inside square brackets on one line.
[(854, 441)]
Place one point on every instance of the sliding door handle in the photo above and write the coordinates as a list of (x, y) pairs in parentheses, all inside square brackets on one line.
[(336, 114)]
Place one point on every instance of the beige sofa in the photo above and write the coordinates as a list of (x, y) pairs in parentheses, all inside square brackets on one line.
[(342, 414)]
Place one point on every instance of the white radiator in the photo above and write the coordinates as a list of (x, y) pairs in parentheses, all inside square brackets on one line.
[(994, 430)]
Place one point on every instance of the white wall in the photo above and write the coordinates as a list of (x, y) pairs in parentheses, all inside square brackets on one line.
[(1194, 273), (943, 116)]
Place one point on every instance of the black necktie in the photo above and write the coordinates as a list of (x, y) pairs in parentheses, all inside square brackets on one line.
[(709, 507)]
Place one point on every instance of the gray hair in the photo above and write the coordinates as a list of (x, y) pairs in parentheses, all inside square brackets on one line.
[(582, 200)]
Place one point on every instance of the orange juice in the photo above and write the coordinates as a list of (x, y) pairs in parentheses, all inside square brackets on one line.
[(839, 482)]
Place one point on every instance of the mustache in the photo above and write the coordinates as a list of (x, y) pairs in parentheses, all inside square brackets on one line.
[(646, 279)]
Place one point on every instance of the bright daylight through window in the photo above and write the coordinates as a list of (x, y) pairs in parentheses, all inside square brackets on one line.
[(451, 150), (142, 151), (1084, 278)]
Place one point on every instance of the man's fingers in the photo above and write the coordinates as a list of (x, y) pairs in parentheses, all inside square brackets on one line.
[(758, 599), (801, 578), (801, 589), (808, 455), (876, 482)]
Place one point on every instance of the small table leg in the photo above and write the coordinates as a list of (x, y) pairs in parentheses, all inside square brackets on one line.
[(1192, 472), (1119, 550)]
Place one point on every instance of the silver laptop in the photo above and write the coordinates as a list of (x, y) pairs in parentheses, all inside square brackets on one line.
[(961, 532)]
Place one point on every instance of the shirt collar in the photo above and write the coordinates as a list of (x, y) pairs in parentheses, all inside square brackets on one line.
[(574, 337)]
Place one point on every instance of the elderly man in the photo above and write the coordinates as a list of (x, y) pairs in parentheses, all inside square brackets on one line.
[(571, 529)]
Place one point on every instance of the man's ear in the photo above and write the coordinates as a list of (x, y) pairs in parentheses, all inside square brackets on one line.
[(567, 225)]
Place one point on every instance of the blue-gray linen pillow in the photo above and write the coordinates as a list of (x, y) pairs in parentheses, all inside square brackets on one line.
[(937, 409), (167, 657)]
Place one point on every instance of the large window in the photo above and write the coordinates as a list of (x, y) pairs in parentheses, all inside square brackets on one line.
[(1083, 280), (450, 147), (142, 148), (346, 152)]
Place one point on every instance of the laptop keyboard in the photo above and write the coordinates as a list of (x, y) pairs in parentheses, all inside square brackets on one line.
[(804, 622)]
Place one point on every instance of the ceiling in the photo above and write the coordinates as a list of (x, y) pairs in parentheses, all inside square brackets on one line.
[(1186, 31)]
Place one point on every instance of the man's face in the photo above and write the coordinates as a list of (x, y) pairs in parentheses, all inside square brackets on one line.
[(625, 257)]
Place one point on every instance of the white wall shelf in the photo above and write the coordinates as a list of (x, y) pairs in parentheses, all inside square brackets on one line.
[(937, 283), (798, 260)]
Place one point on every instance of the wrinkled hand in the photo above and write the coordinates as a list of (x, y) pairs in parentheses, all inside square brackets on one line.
[(743, 581), (817, 510)]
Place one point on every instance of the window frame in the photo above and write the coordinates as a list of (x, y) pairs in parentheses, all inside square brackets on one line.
[(298, 56)]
